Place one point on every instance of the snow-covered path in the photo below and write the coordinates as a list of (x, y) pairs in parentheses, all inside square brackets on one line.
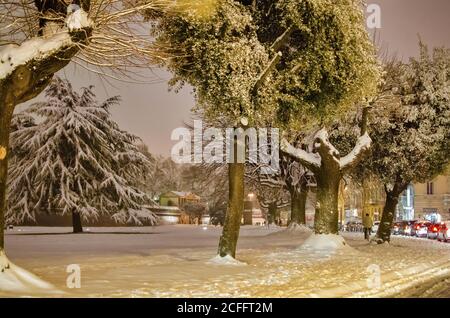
[(173, 261)]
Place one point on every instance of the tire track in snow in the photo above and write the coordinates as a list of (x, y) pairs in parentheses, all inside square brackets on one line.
[(393, 283)]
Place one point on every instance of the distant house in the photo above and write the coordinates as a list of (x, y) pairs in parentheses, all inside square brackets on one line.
[(177, 198), (171, 204)]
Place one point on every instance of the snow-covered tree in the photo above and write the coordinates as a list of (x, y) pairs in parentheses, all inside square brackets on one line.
[(25, 70), (296, 181), (269, 190), (410, 127), (39, 38), (333, 70), (221, 57), (75, 160), (195, 210), (266, 59)]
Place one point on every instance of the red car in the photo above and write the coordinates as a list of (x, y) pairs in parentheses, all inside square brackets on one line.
[(444, 232), (433, 230), (421, 229)]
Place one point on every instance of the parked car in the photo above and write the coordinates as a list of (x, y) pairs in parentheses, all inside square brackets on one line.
[(444, 232), (433, 230), (401, 228), (375, 226), (421, 229), (413, 227), (409, 228), (396, 228)]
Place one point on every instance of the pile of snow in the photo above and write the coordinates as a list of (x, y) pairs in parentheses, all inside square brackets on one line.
[(226, 260), (325, 243), (15, 279), (298, 228), (294, 229)]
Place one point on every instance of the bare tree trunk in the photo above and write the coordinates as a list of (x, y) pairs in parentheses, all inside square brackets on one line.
[(387, 218), (298, 205), (6, 112), (76, 223), (230, 233)]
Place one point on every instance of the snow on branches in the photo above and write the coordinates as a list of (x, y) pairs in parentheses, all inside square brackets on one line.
[(312, 160), (69, 156), (362, 145), (39, 48)]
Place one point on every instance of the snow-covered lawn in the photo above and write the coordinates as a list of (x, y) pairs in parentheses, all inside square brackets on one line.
[(178, 261)]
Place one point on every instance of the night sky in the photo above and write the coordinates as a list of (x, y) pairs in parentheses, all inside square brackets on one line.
[(152, 112)]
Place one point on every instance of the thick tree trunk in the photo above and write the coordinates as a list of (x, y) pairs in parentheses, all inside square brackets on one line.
[(387, 218), (328, 168), (298, 205), (326, 220), (230, 233), (273, 211), (5, 122), (76, 223)]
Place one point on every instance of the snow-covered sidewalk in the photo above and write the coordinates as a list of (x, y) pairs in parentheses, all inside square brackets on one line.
[(177, 261)]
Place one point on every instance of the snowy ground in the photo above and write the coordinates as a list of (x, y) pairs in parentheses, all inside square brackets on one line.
[(176, 261)]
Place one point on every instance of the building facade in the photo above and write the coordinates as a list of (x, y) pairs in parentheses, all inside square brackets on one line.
[(432, 199), (177, 198)]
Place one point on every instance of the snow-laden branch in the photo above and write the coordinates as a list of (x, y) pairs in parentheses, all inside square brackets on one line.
[(311, 161), (13, 56), (262, 77), (281, 40), (362, 145)]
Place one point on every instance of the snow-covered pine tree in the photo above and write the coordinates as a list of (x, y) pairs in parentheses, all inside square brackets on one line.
[(70, 157), (410, 127)]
